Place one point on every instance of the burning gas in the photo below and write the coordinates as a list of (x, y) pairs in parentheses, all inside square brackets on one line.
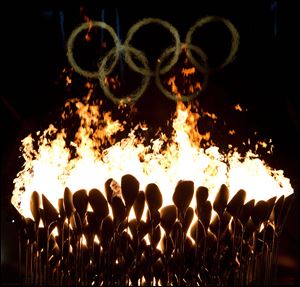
[(53, 161)]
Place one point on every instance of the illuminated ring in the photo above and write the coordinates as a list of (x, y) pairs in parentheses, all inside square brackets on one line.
[(234, 40), (135, 28), (204, 70), (103, 72), (70, 46)]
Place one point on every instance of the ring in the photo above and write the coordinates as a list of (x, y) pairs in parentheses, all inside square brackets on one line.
[(108, 62), (166, 25), (204, 70), (70, 46), (103, 72), (234, 40)]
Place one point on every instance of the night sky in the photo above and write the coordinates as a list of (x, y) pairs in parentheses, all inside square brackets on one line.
[(264, 79)]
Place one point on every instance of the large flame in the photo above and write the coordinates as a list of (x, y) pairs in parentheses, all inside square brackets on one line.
[(53, 162)]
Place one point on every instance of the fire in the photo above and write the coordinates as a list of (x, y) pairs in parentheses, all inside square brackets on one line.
[(53, 161), (238, 108), (189, 71)]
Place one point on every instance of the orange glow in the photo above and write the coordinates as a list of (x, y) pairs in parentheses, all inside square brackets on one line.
[(172, 83), (83, 240), (239, 108), (187, 72), (50, 168)]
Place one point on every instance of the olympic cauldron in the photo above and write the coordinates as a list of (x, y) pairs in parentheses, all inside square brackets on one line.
[(75, 246), (125, 234)]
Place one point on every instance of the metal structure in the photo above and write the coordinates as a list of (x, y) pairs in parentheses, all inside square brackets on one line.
[(216, 243)]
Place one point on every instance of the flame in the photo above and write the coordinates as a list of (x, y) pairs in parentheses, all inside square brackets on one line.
[(171, 83), (53, 161), (55, 232), (68, 80), (90, 22), (83, 240), (187, 72), (96, 239), (238, 108), (190, 87)]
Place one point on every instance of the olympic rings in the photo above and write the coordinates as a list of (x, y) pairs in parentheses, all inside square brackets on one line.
[(184, 98), (70, 46), (166, 25), (103, 72), (128, 50), (234, 40)]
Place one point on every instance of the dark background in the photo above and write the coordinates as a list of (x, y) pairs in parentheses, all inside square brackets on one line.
[(264, 79)]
